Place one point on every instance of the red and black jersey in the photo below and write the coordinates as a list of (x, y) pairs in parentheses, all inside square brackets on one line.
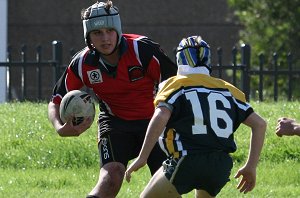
[(127, 90)]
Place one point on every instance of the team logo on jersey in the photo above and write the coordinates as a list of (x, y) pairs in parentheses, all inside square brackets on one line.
[(135, 73), (95, 76)]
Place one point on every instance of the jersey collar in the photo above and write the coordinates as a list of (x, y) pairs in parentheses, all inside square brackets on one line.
[(186, 70)]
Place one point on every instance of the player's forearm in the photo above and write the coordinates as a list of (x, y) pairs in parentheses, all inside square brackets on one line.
[(155, 128), (53, 116), (255, 150), (256, 144)]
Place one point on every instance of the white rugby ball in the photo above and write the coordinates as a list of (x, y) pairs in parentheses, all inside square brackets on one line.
[(77, 104)]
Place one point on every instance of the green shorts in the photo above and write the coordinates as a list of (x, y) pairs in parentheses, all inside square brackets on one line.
[(205, 171)]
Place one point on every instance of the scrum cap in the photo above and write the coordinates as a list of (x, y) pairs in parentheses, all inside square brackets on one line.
[(102, 16), (193, 51)]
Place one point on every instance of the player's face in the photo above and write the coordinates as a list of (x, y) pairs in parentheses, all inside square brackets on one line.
[(104, 40)]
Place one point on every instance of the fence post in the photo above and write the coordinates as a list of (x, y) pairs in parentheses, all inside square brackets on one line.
[(290, 66), (57, 57), (275, 58), (8, 70), (23, 73), (234, 53), (38, 70), (220, 54), (246, 56), (261, 64)]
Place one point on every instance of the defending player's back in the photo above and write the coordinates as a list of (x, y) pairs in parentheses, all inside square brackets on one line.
[(193, 127)]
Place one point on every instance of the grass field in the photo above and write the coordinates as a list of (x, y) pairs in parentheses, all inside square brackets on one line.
[(36, 162)]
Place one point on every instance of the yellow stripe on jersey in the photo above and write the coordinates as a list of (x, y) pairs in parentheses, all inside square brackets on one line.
[(170, 143), (177, 82)]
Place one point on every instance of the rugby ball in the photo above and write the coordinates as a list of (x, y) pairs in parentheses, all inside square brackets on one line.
[(77, 105)]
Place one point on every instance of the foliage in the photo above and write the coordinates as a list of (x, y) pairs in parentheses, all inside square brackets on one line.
[(269, 25), (272, 29)]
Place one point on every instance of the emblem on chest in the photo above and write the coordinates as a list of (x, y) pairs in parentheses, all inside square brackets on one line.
[(135, 73), (95, 76)]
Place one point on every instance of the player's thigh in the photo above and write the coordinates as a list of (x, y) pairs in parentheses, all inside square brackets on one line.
[(116, 148), (116, 142), (159, 187)]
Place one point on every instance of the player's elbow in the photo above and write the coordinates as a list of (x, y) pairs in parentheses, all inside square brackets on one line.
[(256, 122), (163, 113), (261, 125)]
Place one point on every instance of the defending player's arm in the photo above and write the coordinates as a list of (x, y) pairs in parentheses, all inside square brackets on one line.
[(248, 171), (155, 128)]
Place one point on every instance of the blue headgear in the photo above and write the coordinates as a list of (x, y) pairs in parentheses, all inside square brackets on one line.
[(193, 51)]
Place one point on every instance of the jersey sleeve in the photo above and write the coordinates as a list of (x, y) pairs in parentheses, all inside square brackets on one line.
[(244, 108), (167, 67), (70, 80), (158, 64), (166, 89)]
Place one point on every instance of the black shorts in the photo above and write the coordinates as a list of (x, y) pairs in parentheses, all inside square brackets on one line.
[(121, 140), (205, 171)]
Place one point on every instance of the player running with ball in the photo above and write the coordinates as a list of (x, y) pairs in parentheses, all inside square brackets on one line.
[(123, 70)]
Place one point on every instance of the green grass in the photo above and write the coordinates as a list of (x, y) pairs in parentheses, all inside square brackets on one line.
[(36, 162)]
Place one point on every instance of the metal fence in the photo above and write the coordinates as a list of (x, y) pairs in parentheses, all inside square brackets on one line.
[(37, 70), (279, 79), (239, 73)]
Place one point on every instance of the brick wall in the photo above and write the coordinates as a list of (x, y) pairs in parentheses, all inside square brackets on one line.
[(34, 22)]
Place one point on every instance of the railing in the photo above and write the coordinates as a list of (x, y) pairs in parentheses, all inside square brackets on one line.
[(219, 70), (239, 74), (39, 65), (287, 73), (290, 75)]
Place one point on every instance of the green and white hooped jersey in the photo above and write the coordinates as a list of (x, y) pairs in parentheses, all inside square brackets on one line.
[(206, 113)]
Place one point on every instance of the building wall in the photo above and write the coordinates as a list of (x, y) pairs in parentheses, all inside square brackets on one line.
[(34, 22)]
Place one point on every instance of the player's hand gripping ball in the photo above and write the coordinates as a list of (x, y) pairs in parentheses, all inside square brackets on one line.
[(77, 105)]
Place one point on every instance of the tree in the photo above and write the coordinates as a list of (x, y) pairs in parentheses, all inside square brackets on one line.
[(269, 26)]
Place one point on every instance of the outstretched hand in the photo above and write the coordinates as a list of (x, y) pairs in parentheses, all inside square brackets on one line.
[(134, 166), (286, 126), (247, 183)]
